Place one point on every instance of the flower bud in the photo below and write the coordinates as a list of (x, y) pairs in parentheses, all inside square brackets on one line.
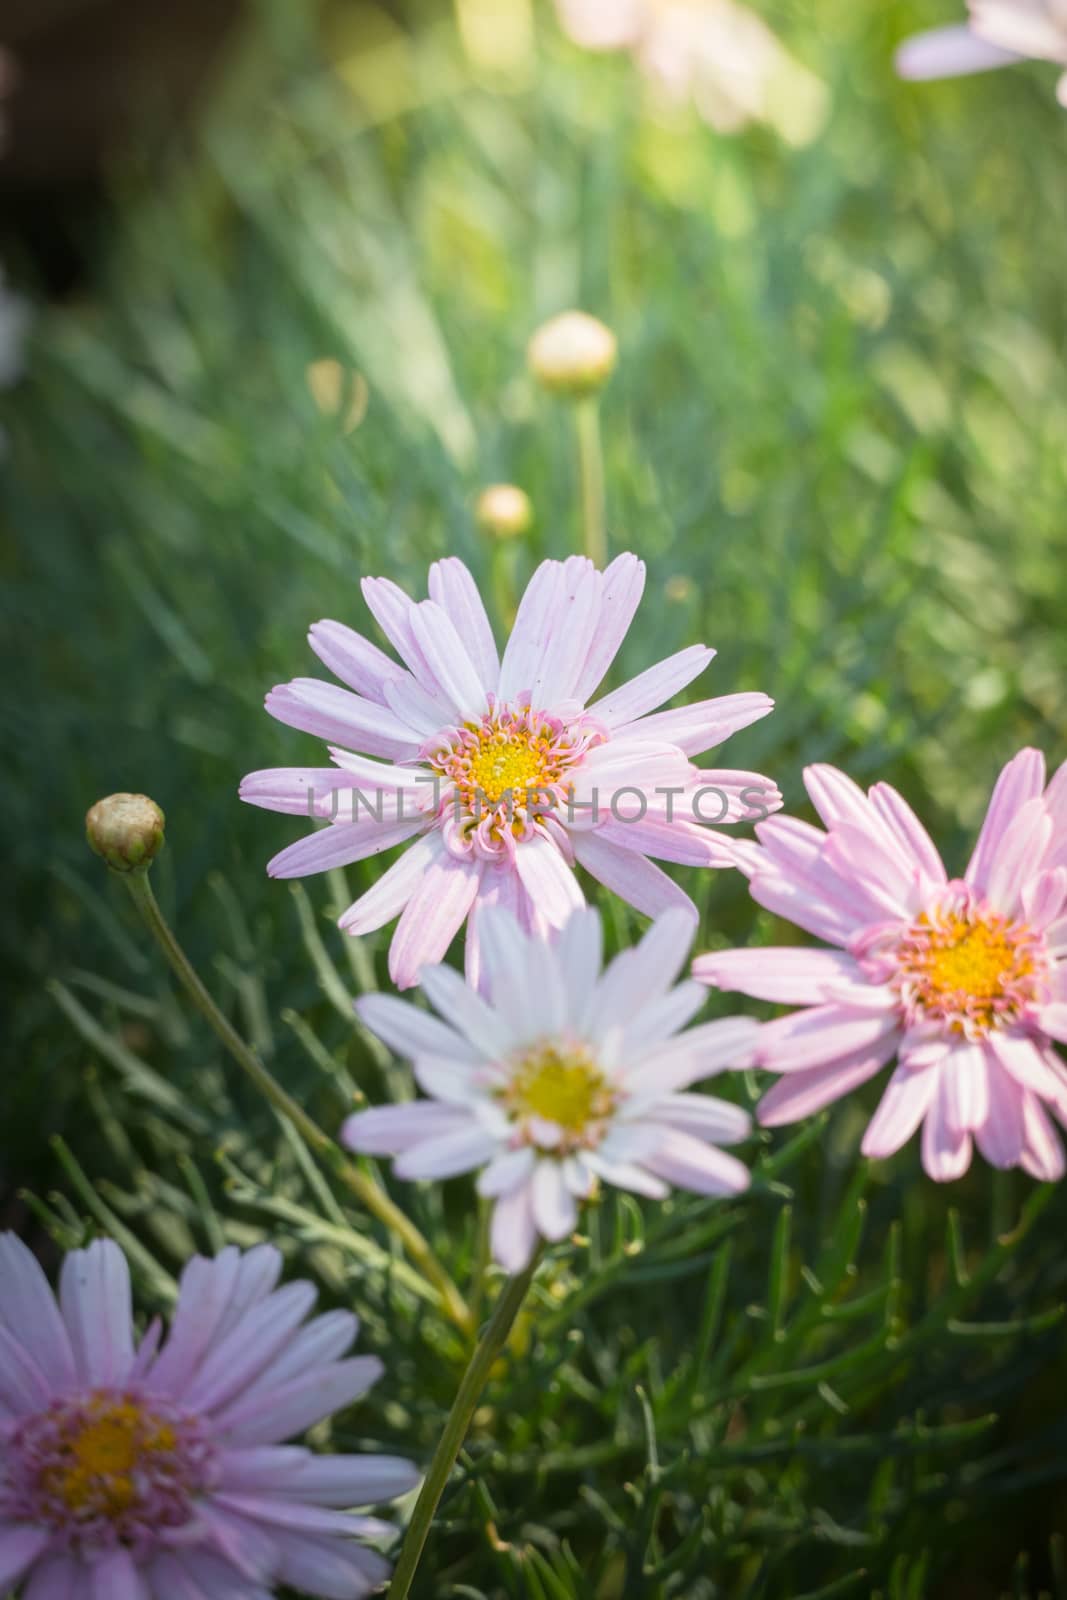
[(126, 830), (573, 354), (504, 510)]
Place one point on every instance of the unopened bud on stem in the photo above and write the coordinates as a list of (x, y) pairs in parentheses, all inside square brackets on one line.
[(126, 830), (573, 354), (504, 510)]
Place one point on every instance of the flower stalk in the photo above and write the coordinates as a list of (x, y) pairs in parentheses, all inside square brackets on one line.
[(591, 476), (456, 1427), (369, 1194)]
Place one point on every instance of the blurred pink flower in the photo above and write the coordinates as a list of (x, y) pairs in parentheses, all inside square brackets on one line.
[(560, 1078), (501, 772), (964, 981), (131, 1472), (714, 53), (999, 33)]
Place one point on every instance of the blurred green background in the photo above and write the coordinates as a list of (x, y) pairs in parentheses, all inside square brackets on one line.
[(838, 437)]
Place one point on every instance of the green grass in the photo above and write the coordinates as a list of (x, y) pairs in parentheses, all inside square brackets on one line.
[(840, 418)]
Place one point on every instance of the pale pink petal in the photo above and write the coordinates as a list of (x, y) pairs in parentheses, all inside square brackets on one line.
[(296, 1406), (24, 1386), (963, 1085), (501, 890), (571, 632), (533, 621), (114, 1577), (622, 585), (1021, 780), (949, 53), (1030, 1065), (638, 978), (388, 897), (95, 1299), (548, 880), (340, 845), (235, 1360), (361, 1480), (837, 797), (296, 791), (19, 1548), (510, 958), (390, 1130), (554, 1209), (27, 1302), (626, 1175), (701, 1053), (1052, 1019), (822, 1034), (702, 1115), (465, 1010), (902, 1107), (946, 1149), (1013, 858), (790, 975), (1042, 1155), (329, 1568), (859, 855), (456, 592), (579, 952), (652, 687), (649, 1029), (448, 1154), (57, 1577), (893, 810), (507, 1171), (513, 1233), (411, 1031), (353, 659), (801, 1094), (682, 841), (447, 658), (432, 917), (705, 724), (1043, 898), (343, 717), (413, 705), (689, 1163), (1026, 28), (391, 608), (1000, 1137), (632, 877)]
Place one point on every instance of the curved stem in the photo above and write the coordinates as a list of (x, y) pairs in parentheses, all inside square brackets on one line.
[(591, 473), (455, 1431), (364, 1188)]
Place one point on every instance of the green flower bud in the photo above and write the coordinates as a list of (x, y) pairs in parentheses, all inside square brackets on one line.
[(126, 830), (573, 354), (504, 510)]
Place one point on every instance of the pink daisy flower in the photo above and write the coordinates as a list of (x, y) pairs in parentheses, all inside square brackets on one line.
[(130, 1472), (501, 771), (560, 1077), (998, 34), (963, 980)]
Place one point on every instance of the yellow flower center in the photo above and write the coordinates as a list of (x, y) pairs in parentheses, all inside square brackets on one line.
[(970, 966), (503, 762), (104, 1456), (562, 1085)]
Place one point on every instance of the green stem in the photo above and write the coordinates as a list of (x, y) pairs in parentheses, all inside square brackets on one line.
[(455, 1431), (364, 1188), (591, 473)]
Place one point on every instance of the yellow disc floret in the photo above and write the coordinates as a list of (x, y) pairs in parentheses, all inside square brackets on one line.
[(969, 966), (561, 1085)]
